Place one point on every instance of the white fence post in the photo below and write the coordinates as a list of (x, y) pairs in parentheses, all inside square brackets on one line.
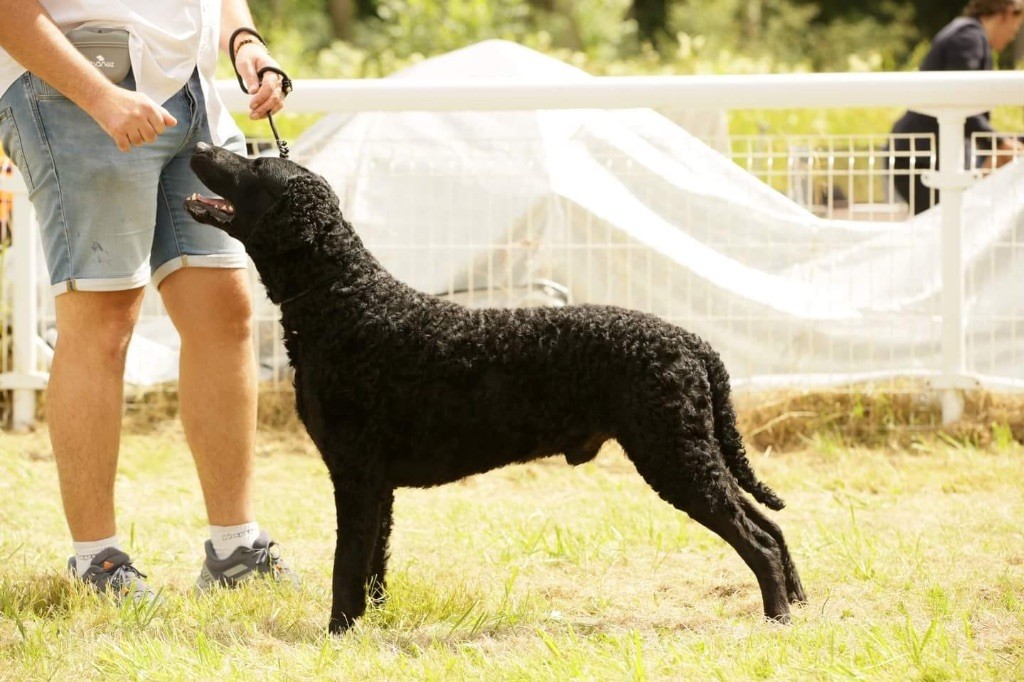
[(25, 379), (951, 180)]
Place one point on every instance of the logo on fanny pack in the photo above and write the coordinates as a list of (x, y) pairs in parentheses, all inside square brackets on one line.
[(102, 63)]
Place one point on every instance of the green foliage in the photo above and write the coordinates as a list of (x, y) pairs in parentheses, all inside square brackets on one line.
[(791, 33), (702, 36), (598, 36), (928, 16), (428, 27), (306, 20)]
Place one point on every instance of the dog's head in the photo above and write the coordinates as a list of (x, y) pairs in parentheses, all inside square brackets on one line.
[(253, 192)]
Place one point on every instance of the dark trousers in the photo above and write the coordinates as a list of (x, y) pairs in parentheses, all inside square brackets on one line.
[(913, 157)]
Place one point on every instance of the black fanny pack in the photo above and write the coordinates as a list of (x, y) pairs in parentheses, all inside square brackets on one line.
[(105, 48)]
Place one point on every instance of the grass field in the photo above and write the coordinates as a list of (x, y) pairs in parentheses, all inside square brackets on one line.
[(913, 561)]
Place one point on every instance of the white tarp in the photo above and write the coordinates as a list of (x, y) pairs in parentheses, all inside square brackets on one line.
[(627, 208)]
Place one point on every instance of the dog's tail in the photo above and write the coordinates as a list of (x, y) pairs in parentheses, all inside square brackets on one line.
[(728, 435)]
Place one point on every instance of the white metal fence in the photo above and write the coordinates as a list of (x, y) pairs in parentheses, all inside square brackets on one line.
[(836, 177)]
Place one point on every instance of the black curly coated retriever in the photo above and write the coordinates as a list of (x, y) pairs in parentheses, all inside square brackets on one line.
[(399, 388)]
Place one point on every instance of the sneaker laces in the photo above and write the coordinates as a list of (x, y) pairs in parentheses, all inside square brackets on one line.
[(269, 557), (125, 578), (126, 575), (127, 569), (272, 555)]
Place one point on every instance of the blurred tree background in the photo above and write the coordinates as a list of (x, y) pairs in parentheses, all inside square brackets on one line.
[(353, 38), (372, 38)]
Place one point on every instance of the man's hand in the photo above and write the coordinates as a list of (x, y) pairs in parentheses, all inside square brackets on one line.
[(130, 118), (29, 34), (267, 97), (1008, 149)]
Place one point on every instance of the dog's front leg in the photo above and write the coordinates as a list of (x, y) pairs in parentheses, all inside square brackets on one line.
[(379, 558), (357, 501)]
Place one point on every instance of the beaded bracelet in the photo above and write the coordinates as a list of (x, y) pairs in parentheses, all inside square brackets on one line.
[(248, 41), (232, 48)]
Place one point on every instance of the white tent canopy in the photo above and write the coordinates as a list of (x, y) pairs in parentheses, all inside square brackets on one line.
[(627, 208)]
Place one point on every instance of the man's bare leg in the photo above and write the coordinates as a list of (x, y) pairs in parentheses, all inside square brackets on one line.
[(84, 402), (212, 310)]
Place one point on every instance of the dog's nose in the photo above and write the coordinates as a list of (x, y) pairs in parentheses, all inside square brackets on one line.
[(203, 147)]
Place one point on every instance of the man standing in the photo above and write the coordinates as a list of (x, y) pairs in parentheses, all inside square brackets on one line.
[(107, 170), (965, 44)]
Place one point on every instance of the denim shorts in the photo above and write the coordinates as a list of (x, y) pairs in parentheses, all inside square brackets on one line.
[(112, 220)]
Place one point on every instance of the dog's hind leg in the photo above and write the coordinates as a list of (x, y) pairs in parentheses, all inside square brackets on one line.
[(709, 494), (357, 498), (379, 558), (794, 588)]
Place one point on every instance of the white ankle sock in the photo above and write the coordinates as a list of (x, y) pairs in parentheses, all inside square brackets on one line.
[(85, 551), (226, 539)]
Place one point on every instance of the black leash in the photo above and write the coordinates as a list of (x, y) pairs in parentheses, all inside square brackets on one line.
[(286, 82), (329, 279)]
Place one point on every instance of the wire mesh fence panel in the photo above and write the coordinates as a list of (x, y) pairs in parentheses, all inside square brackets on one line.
[(797, 257), (846, 177), (995, 322), (805, 269)]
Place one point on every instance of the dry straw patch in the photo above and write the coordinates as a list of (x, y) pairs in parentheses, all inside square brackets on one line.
[(896, 415), (893, 416)]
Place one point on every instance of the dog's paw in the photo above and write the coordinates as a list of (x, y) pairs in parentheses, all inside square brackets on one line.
[(338, 625)]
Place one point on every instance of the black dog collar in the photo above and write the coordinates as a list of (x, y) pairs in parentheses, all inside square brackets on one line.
[(330, 279)]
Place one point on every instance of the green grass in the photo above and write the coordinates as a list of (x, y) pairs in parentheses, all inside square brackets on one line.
[(913, 561)]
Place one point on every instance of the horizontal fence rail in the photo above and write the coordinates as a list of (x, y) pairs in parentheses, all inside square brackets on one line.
[(832, 178), (923, 91)]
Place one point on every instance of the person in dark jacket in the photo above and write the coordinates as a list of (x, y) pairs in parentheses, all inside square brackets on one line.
[(965, 44)]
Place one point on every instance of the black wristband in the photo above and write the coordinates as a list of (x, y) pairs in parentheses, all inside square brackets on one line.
[(235, 34)]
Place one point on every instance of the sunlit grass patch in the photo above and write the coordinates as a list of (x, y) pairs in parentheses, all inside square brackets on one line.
[(913, 560)]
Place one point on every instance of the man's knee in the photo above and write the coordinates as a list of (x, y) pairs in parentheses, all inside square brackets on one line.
[(96, 327), (210, 304), (235, 321)]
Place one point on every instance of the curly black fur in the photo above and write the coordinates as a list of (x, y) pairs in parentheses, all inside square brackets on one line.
[(399, 388)]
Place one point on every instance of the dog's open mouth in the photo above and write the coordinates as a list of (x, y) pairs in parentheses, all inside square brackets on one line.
[(210, 210)]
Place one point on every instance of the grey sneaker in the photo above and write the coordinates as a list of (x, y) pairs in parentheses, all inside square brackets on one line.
[(111, 572), (263, 559)]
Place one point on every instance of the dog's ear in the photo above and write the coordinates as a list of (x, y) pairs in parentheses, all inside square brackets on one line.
[(312, 206), (308, 210)]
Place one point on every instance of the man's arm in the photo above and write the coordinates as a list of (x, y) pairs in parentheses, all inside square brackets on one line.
[(267, 97), (30, 36), (1007, 149), (967, 50)]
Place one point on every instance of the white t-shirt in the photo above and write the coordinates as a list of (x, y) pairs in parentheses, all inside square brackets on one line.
[(169, 39)]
